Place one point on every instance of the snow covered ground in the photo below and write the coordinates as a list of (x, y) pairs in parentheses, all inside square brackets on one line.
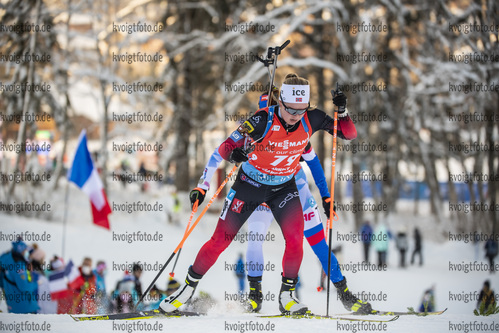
[(398, 288)]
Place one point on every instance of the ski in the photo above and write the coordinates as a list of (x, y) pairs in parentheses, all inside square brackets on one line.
[(310, 315), (137, 315), (411, 312)]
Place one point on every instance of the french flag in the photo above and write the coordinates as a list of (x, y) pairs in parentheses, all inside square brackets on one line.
[(58, 285), (85, 176), (73, 275), (61, 281)]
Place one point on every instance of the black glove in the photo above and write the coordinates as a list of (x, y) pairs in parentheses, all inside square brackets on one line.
[(340, 100), (326, 203), (238, 155), (197, 194)]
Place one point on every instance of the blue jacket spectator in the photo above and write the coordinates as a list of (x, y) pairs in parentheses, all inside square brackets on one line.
[(366, 234), (103, 302), (18, 283), (491, 251), (240, 273), (100, 272)]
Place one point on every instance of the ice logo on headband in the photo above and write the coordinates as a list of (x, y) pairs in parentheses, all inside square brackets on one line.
[(295, 93)]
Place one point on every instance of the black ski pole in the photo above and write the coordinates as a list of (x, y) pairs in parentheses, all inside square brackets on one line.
[(172, 273), (186, 234), (194, 210)]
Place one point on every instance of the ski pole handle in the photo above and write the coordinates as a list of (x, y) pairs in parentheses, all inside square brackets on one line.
[(278, 49), (270, 51), (286, 43), (341, 109), (335, 93)]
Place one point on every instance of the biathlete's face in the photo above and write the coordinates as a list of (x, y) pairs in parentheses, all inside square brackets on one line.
[(289, 118)]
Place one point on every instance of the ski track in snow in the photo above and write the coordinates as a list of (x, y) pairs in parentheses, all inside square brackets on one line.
[(401, 288)]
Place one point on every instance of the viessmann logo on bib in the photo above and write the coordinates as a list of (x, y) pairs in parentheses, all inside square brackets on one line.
[(286, 144)]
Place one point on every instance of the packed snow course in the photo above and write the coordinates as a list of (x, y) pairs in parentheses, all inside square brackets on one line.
[(449, 266)]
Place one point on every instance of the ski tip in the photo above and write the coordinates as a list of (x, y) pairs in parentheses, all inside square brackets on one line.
[(433, 313), (137, 315), (90, 318)]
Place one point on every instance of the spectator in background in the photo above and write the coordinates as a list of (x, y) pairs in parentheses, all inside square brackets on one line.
[(380, 244), (156, 296), (476, 245), (402, 245), (172, 287), (339, 256), (124, 167), (102, 300), (173, 213), (18, 283), (491, 250), (366, 232), (240, 273), (45, 303), (298, 287), (176, 208), (85, 290), (143, 172), (137, 273), (100, 274), (428, 301), (417, 247), (486, 299), (64, 298), (125, 296)]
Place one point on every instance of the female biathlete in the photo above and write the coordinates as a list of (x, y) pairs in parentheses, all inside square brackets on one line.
[(260, 220), (267, 176)]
